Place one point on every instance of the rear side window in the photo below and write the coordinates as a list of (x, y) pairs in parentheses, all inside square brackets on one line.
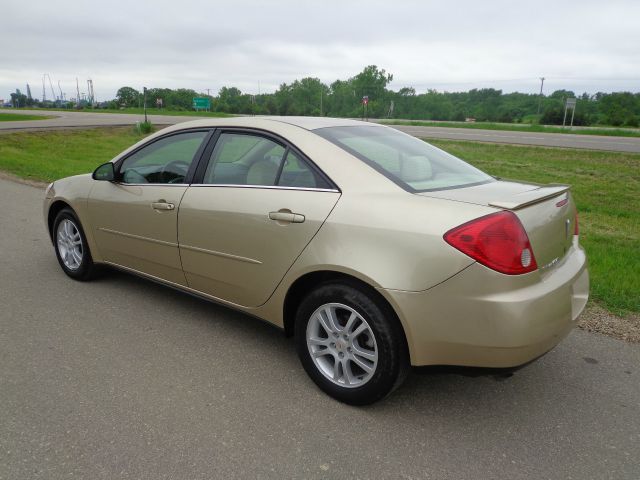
[(411, 163), (297, 173), (247, 159)]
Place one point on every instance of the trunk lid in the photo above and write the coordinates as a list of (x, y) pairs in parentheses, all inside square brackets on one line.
[(547, 213)]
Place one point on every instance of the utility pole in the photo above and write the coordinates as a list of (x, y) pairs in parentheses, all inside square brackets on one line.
[(540, 100), (320, 100)]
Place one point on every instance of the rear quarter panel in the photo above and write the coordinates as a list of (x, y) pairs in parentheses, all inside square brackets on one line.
[(395, 240)]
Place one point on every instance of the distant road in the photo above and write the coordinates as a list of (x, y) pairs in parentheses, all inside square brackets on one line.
[(73, 119), (588, 142)]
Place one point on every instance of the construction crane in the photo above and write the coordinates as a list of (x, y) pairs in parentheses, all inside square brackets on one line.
[(44, 92), (78, 94), (90, 94)]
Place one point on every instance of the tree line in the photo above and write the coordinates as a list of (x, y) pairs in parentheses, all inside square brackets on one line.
[(343, 98)]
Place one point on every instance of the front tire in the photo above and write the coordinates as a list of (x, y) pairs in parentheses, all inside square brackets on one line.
[(71, 246), (350, 343)]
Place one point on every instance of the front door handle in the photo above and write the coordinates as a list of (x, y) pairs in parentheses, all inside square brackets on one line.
[(287, 217), (161, 205)]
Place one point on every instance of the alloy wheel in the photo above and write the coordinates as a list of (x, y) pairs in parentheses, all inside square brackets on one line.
[(69, 243), (342, 345)]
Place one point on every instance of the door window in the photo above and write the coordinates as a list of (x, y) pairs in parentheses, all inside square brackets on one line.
[(239, 159), (245, 159), (164, 161), (297, 173)]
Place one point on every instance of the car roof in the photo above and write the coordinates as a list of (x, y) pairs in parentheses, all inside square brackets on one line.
[(313, 123), (307, 123)]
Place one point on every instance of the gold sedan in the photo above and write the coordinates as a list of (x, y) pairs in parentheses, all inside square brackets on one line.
[(374, 249)]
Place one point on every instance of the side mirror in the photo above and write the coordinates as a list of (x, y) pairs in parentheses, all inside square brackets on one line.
[(105, 172)]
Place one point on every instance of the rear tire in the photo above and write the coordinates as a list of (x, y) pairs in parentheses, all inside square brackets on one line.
[(350, 343), (72, 250)]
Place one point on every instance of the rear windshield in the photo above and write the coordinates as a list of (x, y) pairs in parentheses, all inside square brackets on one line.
[(411, 163)]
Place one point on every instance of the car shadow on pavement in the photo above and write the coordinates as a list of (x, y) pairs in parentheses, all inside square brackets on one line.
[(427, 389)]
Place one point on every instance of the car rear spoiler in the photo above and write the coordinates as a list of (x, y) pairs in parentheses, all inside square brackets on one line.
[(531, 197)]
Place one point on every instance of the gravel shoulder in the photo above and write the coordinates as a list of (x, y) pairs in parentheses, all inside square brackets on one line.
[(596, 319)]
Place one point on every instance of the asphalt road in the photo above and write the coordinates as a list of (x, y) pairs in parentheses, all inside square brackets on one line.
[(591, 142), (123, 378), (565, 140)]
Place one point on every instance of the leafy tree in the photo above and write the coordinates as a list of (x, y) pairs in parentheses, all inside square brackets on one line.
[(343, 98), (620, 108), (128, 97), (306, 96), (372, 82)]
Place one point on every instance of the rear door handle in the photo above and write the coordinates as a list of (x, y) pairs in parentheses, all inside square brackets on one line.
[(288, 217), (163, 206)]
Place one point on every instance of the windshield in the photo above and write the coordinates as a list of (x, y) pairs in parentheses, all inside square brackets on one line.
[(411, 163)]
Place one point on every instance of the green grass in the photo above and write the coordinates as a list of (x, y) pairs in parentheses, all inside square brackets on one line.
[(17, 117), (48, 156), (519, 127), (606, 187)]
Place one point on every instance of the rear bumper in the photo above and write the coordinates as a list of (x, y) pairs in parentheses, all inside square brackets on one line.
[(486, 319)]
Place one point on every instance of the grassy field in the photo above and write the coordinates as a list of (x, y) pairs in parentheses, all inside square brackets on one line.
[(16, 117), (520, 127), (606, 187), (47, 156)]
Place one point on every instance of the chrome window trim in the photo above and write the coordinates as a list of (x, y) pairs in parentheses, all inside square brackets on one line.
[(227, 185), (183, 185), (269, 187)]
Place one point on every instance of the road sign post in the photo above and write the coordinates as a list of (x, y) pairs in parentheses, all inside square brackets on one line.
[(365, 107), (144, 89), (569, 104)]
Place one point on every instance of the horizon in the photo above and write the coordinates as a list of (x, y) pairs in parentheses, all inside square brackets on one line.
[(578, 45), (549, 88)]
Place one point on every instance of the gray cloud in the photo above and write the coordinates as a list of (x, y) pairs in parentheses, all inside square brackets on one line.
[(580, 45)]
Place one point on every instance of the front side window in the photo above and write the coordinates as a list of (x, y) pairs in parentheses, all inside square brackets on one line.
[(164, 161), (246, 159), (411, 163)]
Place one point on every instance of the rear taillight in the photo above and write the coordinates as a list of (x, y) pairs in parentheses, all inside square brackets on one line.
[(576, 228), (497, 241)]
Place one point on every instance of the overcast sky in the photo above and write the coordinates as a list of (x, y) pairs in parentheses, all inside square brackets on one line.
[(580, 45)]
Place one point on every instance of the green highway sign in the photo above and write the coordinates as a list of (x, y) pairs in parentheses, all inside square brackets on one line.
[(202, 103)]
